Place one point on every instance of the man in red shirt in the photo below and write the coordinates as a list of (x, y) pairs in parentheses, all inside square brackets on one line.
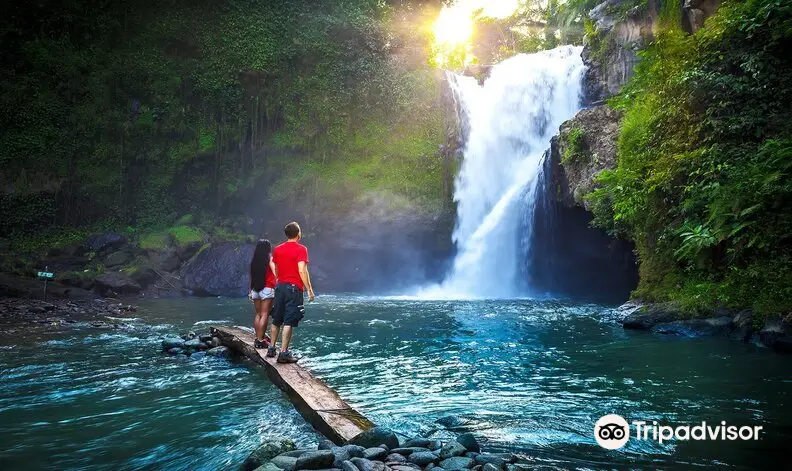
[(291, 263)]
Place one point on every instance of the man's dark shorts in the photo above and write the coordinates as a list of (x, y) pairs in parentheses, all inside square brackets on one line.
[(288, 305)]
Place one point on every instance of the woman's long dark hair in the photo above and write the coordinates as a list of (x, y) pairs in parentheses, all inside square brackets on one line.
[(261, 256)]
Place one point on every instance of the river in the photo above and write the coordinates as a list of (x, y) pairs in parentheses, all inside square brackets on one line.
[(530, 376)]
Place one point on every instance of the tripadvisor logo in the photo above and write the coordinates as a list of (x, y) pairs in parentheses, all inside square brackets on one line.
[(612, 432)]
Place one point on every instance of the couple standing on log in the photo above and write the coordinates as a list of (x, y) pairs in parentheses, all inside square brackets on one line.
[(278, 279)]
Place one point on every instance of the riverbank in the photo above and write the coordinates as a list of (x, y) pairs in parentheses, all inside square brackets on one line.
[(25, 313), (670, 319)]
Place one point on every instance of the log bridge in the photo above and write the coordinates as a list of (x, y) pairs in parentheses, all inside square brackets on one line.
[(314, 400)]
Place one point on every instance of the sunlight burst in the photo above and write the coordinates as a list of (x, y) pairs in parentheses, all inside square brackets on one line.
[(453, 28)]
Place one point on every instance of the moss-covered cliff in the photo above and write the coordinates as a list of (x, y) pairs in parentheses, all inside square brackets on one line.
[(700, 179)]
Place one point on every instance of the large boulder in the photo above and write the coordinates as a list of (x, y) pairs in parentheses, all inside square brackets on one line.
[(265, 452), (113, 283), (105, 242), (219, 270)]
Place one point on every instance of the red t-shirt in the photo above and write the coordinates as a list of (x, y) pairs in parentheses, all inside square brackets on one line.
[(269, 278), (286, 256)]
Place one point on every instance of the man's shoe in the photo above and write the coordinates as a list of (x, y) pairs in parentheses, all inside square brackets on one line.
[(260, 344), (287, 357), (271, 352)]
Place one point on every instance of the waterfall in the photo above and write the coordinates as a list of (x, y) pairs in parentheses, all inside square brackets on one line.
[(510, 118)]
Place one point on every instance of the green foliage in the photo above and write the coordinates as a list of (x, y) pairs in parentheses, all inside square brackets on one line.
[(185, 235), (703, 182), (132, 114), (158, 240), (575, 147)]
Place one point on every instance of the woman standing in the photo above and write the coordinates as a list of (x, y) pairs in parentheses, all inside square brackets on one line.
[(262, 289)]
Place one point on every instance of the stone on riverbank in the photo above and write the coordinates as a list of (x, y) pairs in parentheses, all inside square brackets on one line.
[(266, 451), (422, 458), (493, 459), (395, 458), (296, 453), (407, 451), (367, 465), (355, 451), (375, 454), (375, 437), (318, 459), (417, 442), (286, 463), (268, 467), (348, 466), (457, 462), (452, 449), (468, 441)]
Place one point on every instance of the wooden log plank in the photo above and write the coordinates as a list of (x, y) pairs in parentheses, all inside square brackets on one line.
[(314, 400)]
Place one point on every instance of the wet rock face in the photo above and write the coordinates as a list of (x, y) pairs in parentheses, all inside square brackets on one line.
[(219, 270), (585, 146)]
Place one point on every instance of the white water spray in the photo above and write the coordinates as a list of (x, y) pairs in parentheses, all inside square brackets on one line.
[(511, 120)]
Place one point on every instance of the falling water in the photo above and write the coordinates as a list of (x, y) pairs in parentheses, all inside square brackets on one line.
[(511, 119)]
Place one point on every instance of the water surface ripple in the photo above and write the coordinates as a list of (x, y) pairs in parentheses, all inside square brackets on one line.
[(527, 376)]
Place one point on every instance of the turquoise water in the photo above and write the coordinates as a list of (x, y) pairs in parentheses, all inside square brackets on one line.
[(526, 376)]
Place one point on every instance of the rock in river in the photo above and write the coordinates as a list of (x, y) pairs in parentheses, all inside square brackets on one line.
[(195, 344), (172, 342), (220, 352)]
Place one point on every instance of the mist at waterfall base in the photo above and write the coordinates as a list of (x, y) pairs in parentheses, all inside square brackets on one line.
[(503, 190)]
